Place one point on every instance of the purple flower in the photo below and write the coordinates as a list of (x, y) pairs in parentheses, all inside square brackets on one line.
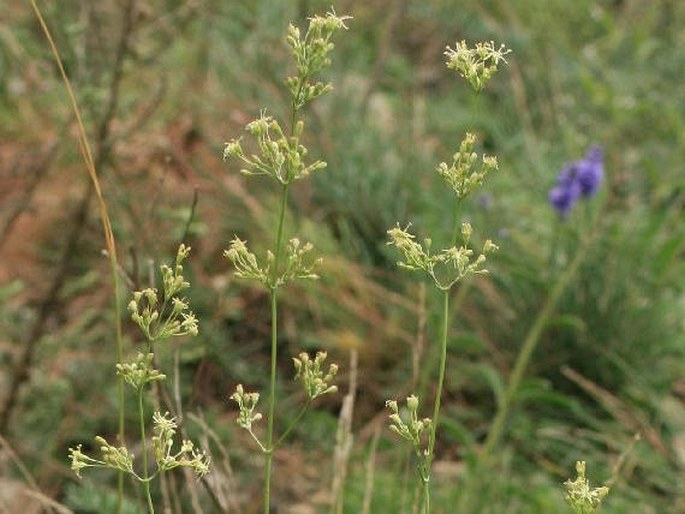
[(578, 179), (562, 198), (590, 171), (567, 176)]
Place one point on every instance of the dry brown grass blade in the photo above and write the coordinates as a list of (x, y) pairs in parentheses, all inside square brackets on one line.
[(87, 154), (48, 502), (344, 437), (221, 486), (84, 146), (18, 463), (371, 471), (32, 488)]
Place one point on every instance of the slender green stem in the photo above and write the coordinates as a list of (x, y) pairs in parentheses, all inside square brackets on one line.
[(279, 232), (268, 454), (120, 380), (455, 222), (294, 109), (475, 105), (270, 447), (272, 403), (146, 479), (294, 423), (426, 495), (441, 371), (436, 405), (293, 118), (425, 476), (256, 440)]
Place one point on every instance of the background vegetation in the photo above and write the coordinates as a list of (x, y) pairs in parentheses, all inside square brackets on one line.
[(164, 83)]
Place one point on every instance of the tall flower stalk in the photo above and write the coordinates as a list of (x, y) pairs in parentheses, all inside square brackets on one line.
[(448, 266), (281, 157)]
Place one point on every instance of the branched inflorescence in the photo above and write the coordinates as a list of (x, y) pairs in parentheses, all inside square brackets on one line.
[(462, 175), (120, 459), (158, 320), (164, 427), (298, 263), (448, 266), (579, 495), (172, 316), (310, 373), (478, 64), (246, 403), (413, 430), (280, 157), (311, 56), (139, 372), (112, 457)]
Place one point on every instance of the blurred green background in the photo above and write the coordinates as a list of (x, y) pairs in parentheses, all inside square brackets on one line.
[(163, 83)]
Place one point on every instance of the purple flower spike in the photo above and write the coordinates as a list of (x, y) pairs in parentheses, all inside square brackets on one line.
[(562, 198), (590, 171), (578, 179), (567, 176)]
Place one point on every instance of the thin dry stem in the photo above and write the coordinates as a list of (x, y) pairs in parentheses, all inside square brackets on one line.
[(84, 146), (344, 438), (371, 470)]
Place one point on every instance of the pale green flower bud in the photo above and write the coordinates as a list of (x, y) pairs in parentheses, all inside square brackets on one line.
[(412, 403), (489, 246), (233, 149), (466, 231)]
